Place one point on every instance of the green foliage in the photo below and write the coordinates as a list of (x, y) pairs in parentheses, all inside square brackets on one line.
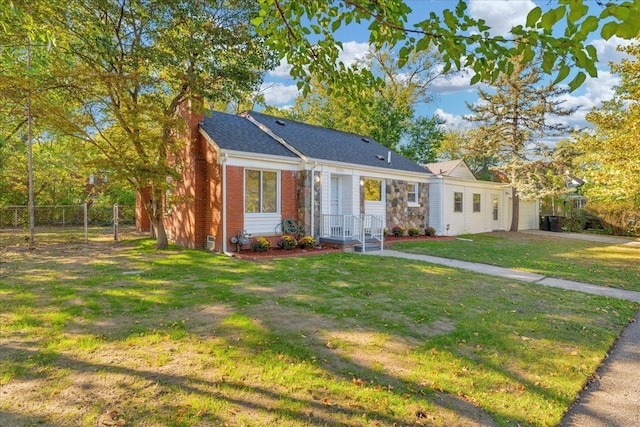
[(429, 231), (413, 231), (620, 218), (306, 242), (611, 150), (121, 72), (423, 139), (287, 242), (303, 32), (260, 244)]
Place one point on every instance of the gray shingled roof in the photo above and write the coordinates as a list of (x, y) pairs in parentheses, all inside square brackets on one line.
[(327, 144), (314, 142), (231, 132)]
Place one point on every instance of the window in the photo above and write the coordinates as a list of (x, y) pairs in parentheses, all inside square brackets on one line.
[(412, 193), (260, 191), (373, 190), (495, 208), (457, 202), (476, 202)]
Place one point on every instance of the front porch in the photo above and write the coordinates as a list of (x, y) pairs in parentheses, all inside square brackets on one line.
[(361, 232)]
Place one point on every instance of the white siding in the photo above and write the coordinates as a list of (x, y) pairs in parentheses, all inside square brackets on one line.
[(435, 206), (325, 201), (462, 172), (261, 224), (528, 215)]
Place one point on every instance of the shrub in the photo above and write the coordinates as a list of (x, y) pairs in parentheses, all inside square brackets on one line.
[(385, 232), (429, 231), (261, 244), (397, 231), (287, 242), (306, 242), (413, 232)]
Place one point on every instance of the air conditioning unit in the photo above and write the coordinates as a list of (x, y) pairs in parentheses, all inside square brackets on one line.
[(211, 243)]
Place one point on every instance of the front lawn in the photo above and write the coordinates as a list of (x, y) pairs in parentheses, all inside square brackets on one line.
[(129, 336), (597, 263)]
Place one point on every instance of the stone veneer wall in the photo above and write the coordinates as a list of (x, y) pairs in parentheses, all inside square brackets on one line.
[(398, 211)]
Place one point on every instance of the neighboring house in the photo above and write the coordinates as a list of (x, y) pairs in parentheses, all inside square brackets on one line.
[(250, 172), (460, 204)]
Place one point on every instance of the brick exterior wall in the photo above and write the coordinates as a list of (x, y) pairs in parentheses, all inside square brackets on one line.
[(235, 201)]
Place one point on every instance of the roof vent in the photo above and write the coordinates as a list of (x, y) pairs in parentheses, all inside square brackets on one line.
[(379, 157), (280, 122), (365, 140)]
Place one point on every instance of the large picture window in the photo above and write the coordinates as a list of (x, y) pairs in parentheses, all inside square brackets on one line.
[(457, 202), (260, 191), (373, 190)]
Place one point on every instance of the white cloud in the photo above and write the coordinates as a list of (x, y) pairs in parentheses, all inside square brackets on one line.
[(453, 121), (501, 16), (607, 49), (352, 51), (282, 70), (591, 95), (278, 93), (456, 82)]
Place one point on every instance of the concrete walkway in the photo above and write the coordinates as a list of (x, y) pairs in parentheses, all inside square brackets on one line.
[(522, 276), (613, 399)]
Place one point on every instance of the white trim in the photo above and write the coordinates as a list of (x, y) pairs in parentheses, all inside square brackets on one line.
[(244, 192), (416, 190)]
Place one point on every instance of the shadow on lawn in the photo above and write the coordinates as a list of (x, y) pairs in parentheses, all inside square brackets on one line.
[(179, 284)]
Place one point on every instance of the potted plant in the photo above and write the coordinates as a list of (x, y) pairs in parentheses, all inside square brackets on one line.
[(413, 232), (260, 244), (429, 231), (287, 242), (306, 242)]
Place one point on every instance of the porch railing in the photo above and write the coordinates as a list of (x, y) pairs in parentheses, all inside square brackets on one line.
[(359, 228)]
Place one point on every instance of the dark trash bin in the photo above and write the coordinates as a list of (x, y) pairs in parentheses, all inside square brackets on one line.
[(544, 223), (555, 223)]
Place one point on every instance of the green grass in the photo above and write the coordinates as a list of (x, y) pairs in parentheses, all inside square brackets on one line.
[(597, 263), (339, 339)]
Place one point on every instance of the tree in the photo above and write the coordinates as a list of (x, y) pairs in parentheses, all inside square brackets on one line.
[(513, 120), (302, 31), (128, 67), (386, 113), (611, 150), (455, 144), (423, 140)]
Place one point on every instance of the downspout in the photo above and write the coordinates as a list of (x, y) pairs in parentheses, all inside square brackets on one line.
[(313, 200), (224, 203), (443, 227)]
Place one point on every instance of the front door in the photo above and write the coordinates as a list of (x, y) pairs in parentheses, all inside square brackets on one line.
[(336, 195)]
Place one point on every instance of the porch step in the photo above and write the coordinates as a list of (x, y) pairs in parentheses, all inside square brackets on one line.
[(369, 247)]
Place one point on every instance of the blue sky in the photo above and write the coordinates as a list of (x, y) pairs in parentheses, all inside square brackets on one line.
[(452, 92)]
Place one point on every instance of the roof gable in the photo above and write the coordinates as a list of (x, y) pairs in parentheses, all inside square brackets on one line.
[(453, 168)]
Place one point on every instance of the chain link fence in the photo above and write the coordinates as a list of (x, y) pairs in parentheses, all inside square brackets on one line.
[(62, 223)]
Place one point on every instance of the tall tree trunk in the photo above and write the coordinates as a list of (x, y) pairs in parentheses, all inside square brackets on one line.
[(515, 210), (154, 210)]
